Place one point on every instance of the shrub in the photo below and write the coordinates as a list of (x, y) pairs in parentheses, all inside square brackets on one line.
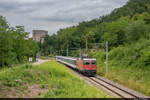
[(28, 66)]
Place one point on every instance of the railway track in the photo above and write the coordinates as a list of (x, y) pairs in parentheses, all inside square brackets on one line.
[(110, 87), (115, 88)]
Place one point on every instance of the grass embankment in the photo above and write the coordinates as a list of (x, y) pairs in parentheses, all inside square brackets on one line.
[(46, 57), (49, 79), (128, 65)]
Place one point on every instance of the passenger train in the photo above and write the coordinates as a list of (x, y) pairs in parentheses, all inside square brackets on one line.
[(85, 65)]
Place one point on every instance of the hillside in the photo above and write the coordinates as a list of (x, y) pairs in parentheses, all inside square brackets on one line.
[(127, 29), (117, 24)]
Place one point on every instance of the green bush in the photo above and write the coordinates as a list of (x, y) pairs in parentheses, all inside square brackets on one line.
[(136, 55), (54, 77), (15, 45), (28, 66), (128, 65)]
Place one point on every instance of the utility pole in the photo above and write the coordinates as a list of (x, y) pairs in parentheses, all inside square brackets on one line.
[(86, 44), (67, 49), (80, 53), (59, 52), (106, 56)]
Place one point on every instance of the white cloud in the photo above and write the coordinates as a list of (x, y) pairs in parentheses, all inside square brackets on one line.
[(52, 15)]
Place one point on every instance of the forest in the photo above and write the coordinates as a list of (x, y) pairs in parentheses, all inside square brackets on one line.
[(123, 27), (15, 45), (127, 30)]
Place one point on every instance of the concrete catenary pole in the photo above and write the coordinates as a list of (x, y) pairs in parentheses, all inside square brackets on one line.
[(86, 44), (80, 53), (106, 56), (67, 50)]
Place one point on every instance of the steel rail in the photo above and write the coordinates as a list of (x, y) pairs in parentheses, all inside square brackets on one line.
[(121, 93), (115, 88), (105, 86), (122, 88)]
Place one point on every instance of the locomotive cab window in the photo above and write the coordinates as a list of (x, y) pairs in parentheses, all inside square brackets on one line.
[(93, 62), (86, 62)]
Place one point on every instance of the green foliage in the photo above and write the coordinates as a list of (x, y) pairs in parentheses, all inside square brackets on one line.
[(54, 77), (74, 53), (43, 86), (14, 76), (127, 29), (128, 65), (114, 32), (15, 46), (137, 30), (145, 57), (28, 66), (111, 37), (124, 25), (136, 55), (5, 44)]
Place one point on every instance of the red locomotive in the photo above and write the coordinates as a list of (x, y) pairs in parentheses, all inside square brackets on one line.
[(85, 65)]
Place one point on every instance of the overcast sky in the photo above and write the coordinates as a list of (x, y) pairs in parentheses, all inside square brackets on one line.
[(52, 15)]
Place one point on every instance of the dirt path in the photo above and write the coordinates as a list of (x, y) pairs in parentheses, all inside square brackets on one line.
[(31, 91), (39, 61)]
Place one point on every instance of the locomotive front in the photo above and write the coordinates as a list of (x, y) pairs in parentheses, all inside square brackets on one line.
[(89, 67)]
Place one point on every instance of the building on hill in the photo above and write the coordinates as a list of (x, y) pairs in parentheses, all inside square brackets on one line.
[(39, 35)]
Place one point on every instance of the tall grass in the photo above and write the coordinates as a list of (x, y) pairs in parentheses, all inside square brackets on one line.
[(128, 65), (61, 82)]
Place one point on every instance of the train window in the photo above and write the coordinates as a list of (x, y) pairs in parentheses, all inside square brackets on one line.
[(93, 62), (86, 63)]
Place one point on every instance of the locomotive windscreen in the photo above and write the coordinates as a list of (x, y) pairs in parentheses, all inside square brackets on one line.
[(86, 62), (93, 62)]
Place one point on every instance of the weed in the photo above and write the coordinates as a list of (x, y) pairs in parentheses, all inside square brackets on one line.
[(28, 66), (128, 65), (61, 82), (0, 85), (39, 94), (25, 87), (21, 95), (42, 86)]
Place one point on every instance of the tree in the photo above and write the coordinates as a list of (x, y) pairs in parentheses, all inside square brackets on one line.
[(5, 44), (89, 36), (15, 46), (114, 32), (137, 30)]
